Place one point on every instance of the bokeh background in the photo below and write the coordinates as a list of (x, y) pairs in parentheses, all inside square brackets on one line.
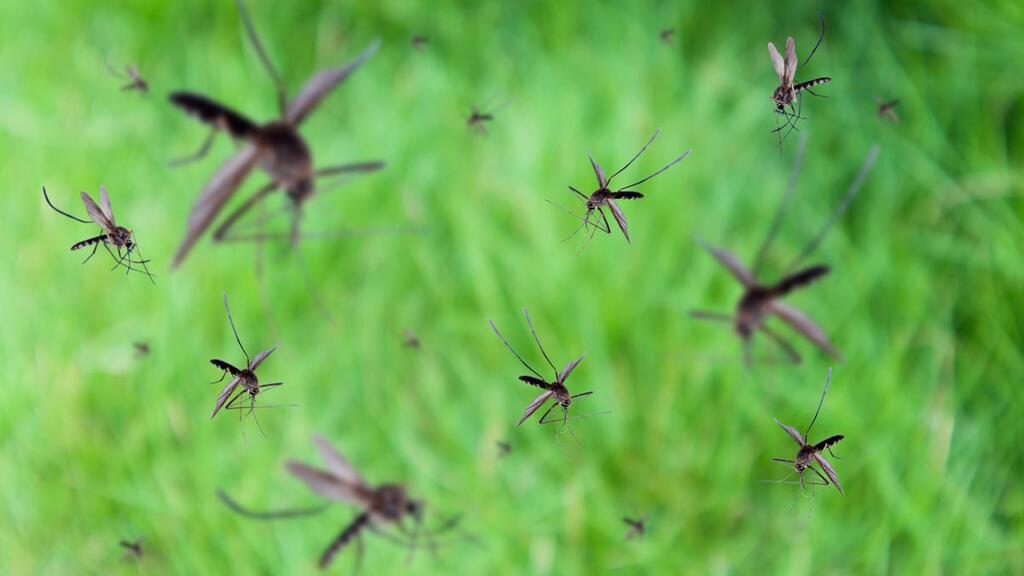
[(99, 444)]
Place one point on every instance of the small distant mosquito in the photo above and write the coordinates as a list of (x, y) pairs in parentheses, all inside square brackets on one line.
[(419, 42), (135, 81), (761, 300), (277, 147), (410, 340), (141, 348), (382, 506), (132, 549), (637, 527), (119, 237), (668, 35), (477, 119), (504, 448), (555, 389), (786, 95), (240, 377), (604, 197), (887, 110), (809, 454)]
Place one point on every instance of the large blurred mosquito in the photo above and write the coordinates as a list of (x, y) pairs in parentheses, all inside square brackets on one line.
[(381, 507), (118, 237), (809, 454), (135, 80), (887, 110), (243, 380), (786, 97), (761, 300), (605, 197), (552, 390), (277, 147)]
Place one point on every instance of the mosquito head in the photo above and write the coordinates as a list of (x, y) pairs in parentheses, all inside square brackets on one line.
[(414, 508), (300, 190), (392, 503), (247, 378)]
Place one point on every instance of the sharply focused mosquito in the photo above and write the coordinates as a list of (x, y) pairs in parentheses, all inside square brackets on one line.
[(787, 95), (555, 389), (809, 454), (113, 235), (887, 110), (761, 300), (277, 147), (243, 380), (382, 506), (131, 74), (605, 197)]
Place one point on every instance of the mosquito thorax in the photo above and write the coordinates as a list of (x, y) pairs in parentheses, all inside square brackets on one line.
[(287, 158), (247, 378), (391, 502)]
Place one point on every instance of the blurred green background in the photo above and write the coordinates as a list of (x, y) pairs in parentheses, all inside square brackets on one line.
[(100, 445)]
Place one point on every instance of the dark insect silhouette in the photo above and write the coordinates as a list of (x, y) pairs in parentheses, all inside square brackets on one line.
[(887, 110), (761, 300), (605, 197), (786, 96), (382, 506), (132, 549), (504, 449), (810, 454), (243, 380), (419, 42), (410, 340), (277, 147), (478, 119), (552, 390), (667, 35), (118, 237), (135, 81), (637, 527), (141, 348)]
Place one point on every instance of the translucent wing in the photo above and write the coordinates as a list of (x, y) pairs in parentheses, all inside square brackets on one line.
[(602, 182), (620, 218), (215, 194), (804, 325), (780, 69), (731, 262), (792, 433), (790, 61), (337, 463), (832, 476), (328, 485), (105, 205), (537, 403), (96, 214), (564, 374), (322, 84), (224, 395), (260, 358)]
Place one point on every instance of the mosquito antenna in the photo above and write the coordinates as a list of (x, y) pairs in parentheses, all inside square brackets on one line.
[(669, 165), (275, 515), (653, 136), (794, 178), (251, 32), (537, 340), (820, 38), (855, 187), (232, 322), (507, 345), (59, 211), (828, 378)]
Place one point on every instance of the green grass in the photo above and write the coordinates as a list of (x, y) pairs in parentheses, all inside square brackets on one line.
[(923, 300)]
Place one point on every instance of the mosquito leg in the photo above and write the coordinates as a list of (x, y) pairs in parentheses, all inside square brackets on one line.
[(712, 316), (61, 212), (782, 461), (578, 193), (786, 347), (607, 228), (548, 411), (91, 254), (279, 514), (347, 168), (221, 232), (250, 30), (831, 453), (198, 154), (221, 379)]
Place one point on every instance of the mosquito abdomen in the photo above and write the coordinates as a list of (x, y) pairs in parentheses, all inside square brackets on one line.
[(214, 113), (798, 279)]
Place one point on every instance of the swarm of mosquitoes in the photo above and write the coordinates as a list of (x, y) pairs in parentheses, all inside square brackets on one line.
[(387, 510)]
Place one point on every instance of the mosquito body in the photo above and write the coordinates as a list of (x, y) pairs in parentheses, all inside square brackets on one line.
[(410, 340), (276, 147), (141, 349), (637, 527), (477, 120), (761, 300), (132, 549), (504, 449), (243, 380), (667, 35), (808, 455), (887, 110), (419, 42), (605, 197), (553, 390), (113, 236)]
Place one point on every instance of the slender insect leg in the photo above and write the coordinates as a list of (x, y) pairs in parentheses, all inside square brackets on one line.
[(221, 379), (91, 254), (548, 411), (198, 154), (607, 227), (781, 343)]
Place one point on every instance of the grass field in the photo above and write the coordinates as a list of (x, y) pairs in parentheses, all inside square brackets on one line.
[(924, 298)]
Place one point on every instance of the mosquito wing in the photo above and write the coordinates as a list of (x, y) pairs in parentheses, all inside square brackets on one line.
[(804, 325), (328, 485), (602, 183), (108, 211), (780, 68), (96, 214), (215, 194), (224, 395), (337, 463), (564, 374), (829, 471), (792, 433), (537, 403), (790, 61), (731, 262), (260, 358), (322, 84), (620, 218)]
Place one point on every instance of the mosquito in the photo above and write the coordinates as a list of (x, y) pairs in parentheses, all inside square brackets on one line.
[(504, 448), (277, 147), (382, 506), (243, 380), (141, 348), (761, 300), (132, 549), (135, 80), (118, 237), (605, 197), (552, 390), (419, 42), (786, 95), (809, 454), (887, 110), (477, 120), (637, 527), (667, 35)]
